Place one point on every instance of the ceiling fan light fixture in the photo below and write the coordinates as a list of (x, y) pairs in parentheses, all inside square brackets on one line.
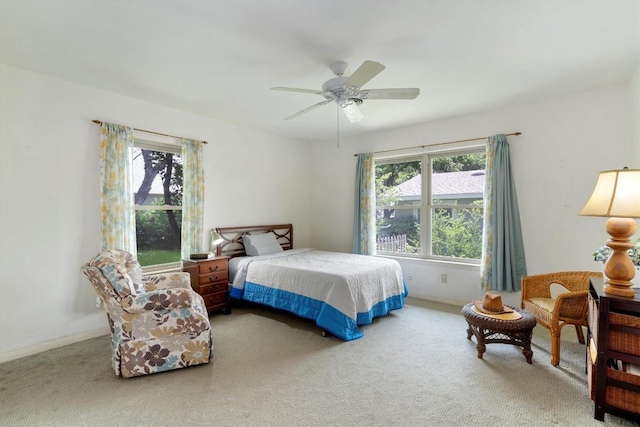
[(346, 92)]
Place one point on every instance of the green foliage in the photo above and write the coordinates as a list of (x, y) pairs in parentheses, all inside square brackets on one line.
[(458, 236), (466, 162), (389, 176), (153, 230), (155, 257)]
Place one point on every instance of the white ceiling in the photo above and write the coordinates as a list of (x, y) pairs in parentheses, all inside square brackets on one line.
[(219, 58)]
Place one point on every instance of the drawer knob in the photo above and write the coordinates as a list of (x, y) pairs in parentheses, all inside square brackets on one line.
[(213, 269)]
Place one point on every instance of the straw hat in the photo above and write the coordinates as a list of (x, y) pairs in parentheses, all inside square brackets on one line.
[(492, 306)]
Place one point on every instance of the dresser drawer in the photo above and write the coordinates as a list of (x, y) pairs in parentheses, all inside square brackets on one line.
[(213, 266)]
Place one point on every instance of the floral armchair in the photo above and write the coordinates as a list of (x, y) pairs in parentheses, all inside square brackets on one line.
[(157, 322)]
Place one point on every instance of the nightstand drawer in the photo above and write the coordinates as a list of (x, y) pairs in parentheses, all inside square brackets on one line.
[(213, 288), (213, 266), (213, 300), (220, 276)]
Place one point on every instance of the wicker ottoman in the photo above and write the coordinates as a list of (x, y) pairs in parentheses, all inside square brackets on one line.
[(489, 330)]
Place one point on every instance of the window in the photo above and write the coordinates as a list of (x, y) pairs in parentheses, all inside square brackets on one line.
[(157, 186), (430, 205)]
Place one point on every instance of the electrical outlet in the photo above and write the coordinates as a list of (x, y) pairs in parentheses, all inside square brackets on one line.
[(443, 278), (409, 278)]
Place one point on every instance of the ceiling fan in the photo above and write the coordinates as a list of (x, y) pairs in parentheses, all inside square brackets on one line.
[(347, 92)]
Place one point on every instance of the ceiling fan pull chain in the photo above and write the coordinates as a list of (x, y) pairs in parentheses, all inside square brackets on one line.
[(338, 136)]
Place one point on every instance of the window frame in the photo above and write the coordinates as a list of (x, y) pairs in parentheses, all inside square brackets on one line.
[(427, 207), (168, 148)]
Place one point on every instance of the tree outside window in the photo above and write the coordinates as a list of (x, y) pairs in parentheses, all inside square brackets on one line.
[(157, 182)]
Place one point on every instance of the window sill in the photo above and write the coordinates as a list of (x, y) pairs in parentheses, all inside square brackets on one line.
[(471, 264), (172, 267)]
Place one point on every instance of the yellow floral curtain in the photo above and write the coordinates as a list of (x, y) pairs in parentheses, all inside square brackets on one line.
[(364, 222), (118, 215), (192, 198)]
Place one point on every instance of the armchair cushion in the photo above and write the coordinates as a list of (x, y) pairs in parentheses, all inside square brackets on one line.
[(116, 266), (546, 304), (164, 299), (175, 280)]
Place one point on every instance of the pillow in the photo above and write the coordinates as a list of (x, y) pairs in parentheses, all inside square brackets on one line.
[(135, 273), (261, 244)]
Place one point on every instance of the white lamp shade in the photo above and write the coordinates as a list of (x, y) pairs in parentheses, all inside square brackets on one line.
[(216, 239), (617, 194)]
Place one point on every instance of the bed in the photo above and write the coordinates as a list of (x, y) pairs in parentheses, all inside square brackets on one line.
[(339, 291)]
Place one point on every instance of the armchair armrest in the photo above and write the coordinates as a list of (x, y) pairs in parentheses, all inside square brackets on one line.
[(176, 280), (571, 305), (162, 299)]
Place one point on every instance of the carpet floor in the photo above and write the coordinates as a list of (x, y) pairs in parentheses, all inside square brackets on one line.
[(413, 367)]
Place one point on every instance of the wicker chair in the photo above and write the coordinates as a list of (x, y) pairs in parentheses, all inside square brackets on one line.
[(568, 308)]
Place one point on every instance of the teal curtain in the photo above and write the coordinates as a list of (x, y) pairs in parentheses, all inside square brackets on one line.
[(118, 215), (503, 258), (192, 197), (364, 221)]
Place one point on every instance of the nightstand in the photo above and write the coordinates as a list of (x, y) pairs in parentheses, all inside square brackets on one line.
[(210, 278)]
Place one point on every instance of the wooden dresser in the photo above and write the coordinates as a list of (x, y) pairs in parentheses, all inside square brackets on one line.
[(614, 334), (210, 278)]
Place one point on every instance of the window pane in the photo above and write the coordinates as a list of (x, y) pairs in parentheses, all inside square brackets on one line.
[(398, 230), (457, 232), (157, 177), (398, 184), (158, 236), (457, 180)]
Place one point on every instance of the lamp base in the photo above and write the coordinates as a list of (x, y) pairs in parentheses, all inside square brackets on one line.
[(620, 291), (619, 268)]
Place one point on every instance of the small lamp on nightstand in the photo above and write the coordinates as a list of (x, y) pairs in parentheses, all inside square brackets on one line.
[(216, 239), (617, 196)]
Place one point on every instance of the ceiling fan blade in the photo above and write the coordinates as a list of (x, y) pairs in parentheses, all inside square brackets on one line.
[(293, 89), (364, 73), (403, 93), (306, 110), (352, 112)]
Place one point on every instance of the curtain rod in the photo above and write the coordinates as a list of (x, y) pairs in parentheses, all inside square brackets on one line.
[(441, 143), (98, 122)]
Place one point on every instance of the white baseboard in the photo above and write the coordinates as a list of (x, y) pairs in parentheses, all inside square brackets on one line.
[(48, 345)]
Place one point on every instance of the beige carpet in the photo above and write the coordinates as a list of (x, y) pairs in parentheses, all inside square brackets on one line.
[(414, 367)]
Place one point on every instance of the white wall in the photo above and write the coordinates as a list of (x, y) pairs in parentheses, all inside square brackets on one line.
[(565, 142), (50, 206), (634, 91)]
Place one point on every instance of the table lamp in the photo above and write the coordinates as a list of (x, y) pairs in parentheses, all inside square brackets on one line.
[(216, 239), (617, 196)]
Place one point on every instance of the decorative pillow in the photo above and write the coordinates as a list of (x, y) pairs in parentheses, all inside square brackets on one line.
[(117, 266), (135, 273), (261, 244)]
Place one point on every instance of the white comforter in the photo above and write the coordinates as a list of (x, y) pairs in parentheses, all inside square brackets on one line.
[(338, 290)]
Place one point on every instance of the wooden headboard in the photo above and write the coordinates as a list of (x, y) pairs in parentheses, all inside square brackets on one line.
[(232, 245)]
